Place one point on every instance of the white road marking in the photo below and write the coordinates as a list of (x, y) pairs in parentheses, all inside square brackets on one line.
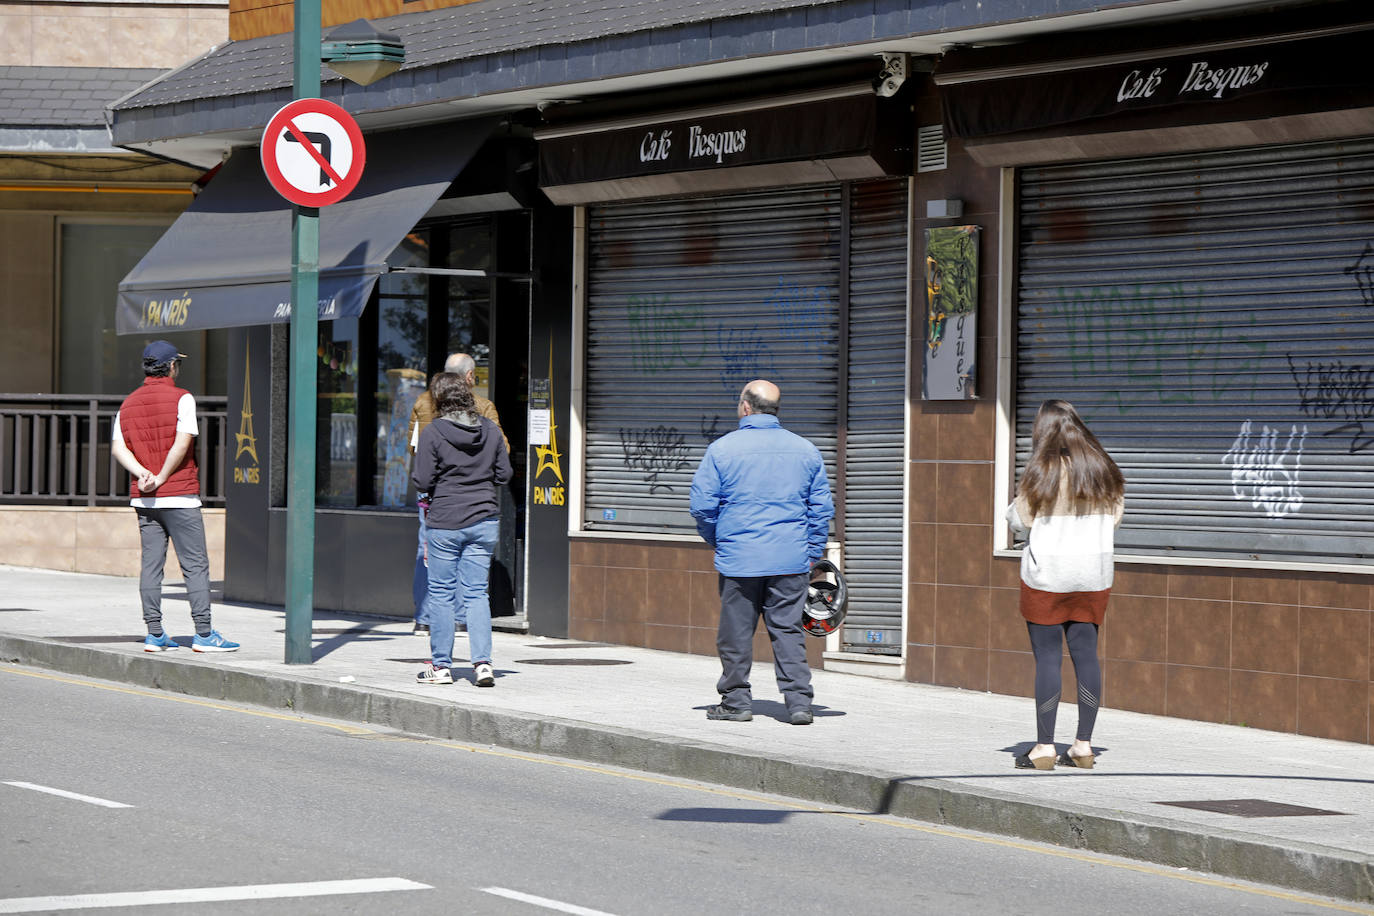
[(209, 894), (545, 902), (89, 799)]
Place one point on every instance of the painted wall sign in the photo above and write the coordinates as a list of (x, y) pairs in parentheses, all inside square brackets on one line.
[(247, 468), (951, 339), (549, 487)]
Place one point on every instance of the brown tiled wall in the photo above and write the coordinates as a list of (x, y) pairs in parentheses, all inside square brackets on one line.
[(657, 595), (1281, 651)]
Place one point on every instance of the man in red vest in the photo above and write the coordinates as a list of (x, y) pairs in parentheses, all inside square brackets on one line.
[(154, 428)]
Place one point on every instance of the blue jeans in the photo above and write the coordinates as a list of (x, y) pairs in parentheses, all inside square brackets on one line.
[(419, 583), (459, 564)]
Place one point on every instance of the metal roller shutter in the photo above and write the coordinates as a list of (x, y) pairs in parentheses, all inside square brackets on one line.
[(1212, 317), (687, 300), (874, 453)]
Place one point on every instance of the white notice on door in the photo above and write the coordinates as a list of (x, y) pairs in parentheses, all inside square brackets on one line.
[(539, 427)]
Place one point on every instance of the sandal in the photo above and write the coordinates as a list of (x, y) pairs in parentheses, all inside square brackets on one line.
[(1083, 763), (1027, 762)]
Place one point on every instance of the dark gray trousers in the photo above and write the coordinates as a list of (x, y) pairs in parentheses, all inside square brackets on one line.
[(186, 530), (779, 600)]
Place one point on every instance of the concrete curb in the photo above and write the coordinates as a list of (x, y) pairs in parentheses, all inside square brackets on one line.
[(1303, 867)]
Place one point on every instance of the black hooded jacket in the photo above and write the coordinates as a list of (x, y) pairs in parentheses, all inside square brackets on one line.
[(460, 467)]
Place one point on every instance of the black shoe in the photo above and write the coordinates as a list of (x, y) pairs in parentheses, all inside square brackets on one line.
[(421, 629), (729, 714), (800, 716)]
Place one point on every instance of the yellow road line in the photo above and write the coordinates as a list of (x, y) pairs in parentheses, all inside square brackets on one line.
[(952, 833)]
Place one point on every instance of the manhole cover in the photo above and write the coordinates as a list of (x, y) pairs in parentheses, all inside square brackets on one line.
[(568, 645), (1250, 807), (572, 661)]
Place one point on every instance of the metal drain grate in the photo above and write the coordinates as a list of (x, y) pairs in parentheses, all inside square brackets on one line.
[(1250, 807), (572, 661)]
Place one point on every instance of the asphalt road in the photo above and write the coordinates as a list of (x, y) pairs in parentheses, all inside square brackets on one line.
[(234, 809)]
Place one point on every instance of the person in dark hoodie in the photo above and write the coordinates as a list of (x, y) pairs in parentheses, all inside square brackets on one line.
[(460, 460)]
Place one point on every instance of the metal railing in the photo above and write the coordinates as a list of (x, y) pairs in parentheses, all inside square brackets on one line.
[(55, 450)]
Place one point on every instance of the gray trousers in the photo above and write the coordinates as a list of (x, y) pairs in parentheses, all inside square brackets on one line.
[(186, 530), (779, 600)]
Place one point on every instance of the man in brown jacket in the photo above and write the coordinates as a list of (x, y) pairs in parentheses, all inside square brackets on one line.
[(421, 415)]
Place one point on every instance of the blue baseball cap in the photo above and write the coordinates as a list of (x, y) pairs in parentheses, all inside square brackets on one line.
[(160, 351)]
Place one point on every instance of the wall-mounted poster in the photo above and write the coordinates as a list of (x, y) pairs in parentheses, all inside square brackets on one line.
[(950, 367)]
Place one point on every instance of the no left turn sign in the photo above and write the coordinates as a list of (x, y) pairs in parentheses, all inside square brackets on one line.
[(312, 152)]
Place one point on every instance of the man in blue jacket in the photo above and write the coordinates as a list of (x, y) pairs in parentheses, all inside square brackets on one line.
[(762, 501)]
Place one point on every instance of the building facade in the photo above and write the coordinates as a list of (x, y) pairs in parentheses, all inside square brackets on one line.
[(76, 214), (921, 220)]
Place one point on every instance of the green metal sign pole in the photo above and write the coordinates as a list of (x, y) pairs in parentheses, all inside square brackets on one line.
[(305, 295)]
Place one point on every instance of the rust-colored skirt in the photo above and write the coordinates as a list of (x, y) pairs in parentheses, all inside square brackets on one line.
[(1050, 608)]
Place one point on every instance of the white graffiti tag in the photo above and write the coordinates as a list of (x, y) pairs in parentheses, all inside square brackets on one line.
[(1263, 475)]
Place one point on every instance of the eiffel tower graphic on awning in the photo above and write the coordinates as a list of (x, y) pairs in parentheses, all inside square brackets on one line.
[(247, 442)]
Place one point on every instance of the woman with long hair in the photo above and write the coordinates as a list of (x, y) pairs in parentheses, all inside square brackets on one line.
[(460, 462), (1068, 504)]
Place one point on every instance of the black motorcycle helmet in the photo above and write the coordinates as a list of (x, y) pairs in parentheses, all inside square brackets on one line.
[(826, 598)]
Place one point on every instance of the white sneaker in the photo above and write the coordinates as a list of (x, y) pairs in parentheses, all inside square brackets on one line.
[(433, 675), (485, 676)]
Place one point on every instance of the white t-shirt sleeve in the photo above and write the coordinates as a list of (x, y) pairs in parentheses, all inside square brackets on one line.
[(116, 437), (186, 414)]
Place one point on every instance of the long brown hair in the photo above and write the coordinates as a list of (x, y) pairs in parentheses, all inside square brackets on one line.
[(1060, 442)]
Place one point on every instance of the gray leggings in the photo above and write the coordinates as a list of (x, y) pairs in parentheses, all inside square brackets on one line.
[(1047, 642)]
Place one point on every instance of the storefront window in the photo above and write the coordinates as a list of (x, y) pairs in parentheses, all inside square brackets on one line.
[(373, 368), (92, 358), (336, 471)]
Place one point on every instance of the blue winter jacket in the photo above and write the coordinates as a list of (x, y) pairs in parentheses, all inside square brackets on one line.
[(762, 500)]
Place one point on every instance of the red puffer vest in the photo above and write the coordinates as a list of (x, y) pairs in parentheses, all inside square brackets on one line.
[(148, 423)]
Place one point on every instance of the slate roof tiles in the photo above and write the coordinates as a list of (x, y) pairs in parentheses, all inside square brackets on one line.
[(488, 28), (44, 97)]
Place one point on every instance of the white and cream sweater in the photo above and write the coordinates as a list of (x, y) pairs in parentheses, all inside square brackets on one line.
[(1066, 552)]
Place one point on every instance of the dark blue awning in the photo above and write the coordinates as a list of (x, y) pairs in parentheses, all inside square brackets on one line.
[(226, 261)]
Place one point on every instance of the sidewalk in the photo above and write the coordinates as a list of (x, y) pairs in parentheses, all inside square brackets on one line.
[(930, 753)]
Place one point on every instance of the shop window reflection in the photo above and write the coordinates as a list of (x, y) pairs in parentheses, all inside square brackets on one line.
[(469, 300), (336, 470), (402, 347)]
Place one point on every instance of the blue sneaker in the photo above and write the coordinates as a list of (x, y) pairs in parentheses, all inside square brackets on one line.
[(163, 643), (213, 643)]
